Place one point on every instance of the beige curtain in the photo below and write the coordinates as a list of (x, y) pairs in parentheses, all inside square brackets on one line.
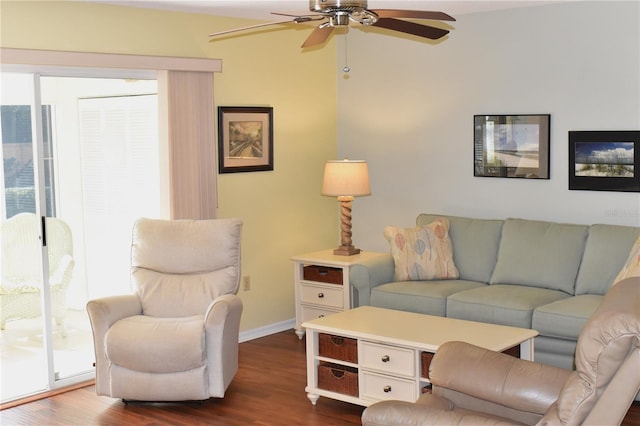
[(191, 143)]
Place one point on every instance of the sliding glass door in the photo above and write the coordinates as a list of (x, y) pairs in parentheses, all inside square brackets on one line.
[(80, 164), (24, 342)]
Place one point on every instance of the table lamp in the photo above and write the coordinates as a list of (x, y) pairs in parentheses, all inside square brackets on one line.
[(346, 179)]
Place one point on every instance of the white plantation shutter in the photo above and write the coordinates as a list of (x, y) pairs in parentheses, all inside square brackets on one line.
[(121, 175)]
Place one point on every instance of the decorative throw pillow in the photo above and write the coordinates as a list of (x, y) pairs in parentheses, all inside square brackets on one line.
[(422, 253), (632, 267)]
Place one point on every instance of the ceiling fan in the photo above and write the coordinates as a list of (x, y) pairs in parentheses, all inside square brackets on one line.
[(339, 13)]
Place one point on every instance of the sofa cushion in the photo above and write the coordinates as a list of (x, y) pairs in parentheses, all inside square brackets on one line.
[(475, 244), (501, 304), (540, 254), (423, 252), (607, 248), (555, 351), (428, 297), (565, 318), (632, 267)]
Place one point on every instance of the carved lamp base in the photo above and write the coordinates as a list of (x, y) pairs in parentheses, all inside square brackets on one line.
[(346, 251)]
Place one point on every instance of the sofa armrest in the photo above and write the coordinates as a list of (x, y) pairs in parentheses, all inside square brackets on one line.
[(370, 273), (496, 377)]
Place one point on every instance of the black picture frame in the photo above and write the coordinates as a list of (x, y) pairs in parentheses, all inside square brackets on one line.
[(512, 146), (245, 139), (604, 160)]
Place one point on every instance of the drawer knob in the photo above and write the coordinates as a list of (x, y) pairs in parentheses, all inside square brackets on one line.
[(385, 358), (320, 295), (387, 389)]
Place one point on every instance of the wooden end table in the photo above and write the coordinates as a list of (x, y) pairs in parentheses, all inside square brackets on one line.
[(322, 284)]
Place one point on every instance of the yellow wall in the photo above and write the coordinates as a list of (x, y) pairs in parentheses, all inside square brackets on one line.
[(283, 211)]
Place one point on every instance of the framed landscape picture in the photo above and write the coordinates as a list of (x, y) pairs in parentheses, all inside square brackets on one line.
[(245, 139), (604, 160), (511, 146)]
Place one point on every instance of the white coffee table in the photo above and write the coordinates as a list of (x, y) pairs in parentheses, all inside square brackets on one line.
[(369, 354)]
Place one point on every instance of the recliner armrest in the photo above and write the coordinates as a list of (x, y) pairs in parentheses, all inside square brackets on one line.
[(222, 331), (103, 313), (496, 377), (370, 273)]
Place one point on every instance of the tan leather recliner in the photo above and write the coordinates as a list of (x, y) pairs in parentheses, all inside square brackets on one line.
[(176, 338), (475, 386)]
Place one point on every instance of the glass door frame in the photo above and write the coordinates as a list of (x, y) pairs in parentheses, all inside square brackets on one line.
[(52, 381), (171, 102)]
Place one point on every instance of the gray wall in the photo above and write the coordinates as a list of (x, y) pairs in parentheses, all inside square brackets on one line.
[(407, 108)]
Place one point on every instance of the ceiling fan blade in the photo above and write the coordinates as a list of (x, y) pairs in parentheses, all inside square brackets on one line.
[(418, 14), (318, 36), (311, 16), (250, 27), (411, 28)]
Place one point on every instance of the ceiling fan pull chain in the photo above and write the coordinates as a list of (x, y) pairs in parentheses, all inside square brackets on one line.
[(346, 53)]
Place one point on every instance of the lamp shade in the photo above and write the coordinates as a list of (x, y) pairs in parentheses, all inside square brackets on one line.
[(346, 178)]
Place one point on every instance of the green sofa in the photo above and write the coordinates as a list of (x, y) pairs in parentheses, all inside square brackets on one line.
[(542, 275)]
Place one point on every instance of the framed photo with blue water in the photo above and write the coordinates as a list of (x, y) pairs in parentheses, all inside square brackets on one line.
[(604, 160), (511, 146), (245, 139)]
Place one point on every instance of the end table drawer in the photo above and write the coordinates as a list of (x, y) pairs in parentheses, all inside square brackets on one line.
[(311, 313), (378, 387), (388, 359), (322, 295), (322, 274)]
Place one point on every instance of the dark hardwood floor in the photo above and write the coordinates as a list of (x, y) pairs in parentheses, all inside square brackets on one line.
[(268, 390)]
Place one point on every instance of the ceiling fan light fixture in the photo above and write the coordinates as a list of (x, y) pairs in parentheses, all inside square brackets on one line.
[(339, 19)]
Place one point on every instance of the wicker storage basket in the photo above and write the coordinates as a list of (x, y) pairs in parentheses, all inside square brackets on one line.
[(514, 351), (425, 362), (323, 274), (337, 347), (338, 378)]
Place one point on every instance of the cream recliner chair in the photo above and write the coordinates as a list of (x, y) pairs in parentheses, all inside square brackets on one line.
[(473, 386), (176, 338)]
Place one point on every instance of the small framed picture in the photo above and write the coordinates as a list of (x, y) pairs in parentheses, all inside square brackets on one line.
[(245, 139), (511, 146), (604, 160)]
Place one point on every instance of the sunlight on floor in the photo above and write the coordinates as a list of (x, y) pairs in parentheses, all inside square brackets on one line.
[(22, 356)]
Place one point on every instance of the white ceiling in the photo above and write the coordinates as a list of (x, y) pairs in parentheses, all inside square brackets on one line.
[(261, 9)]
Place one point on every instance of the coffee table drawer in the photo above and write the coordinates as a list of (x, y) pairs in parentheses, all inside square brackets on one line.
[(387, 359), (378, 387), (322, 295)]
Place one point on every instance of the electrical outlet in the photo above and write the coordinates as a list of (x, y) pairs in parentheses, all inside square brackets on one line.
[(246, 283)]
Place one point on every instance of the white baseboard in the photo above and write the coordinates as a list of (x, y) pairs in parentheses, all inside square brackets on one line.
[(267, 330)]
